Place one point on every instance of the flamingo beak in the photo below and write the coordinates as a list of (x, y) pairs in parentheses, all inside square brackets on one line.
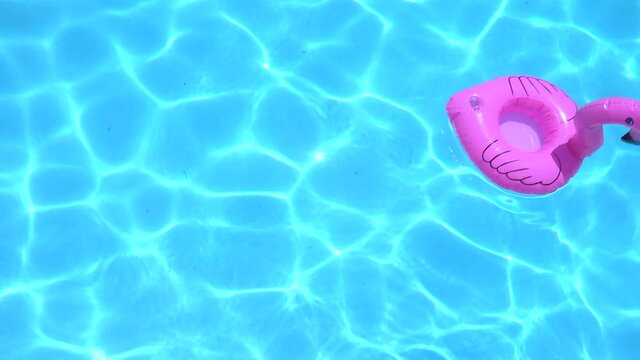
[(632, 137)]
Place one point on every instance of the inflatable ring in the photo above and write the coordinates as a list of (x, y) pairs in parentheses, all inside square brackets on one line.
[(527, 135)]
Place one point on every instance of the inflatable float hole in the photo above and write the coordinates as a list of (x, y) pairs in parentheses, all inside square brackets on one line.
[(522, 124)]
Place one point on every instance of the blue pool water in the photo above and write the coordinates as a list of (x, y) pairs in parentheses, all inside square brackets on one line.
[(269, 180)]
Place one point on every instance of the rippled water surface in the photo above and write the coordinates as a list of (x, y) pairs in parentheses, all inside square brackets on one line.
[(270, 180)]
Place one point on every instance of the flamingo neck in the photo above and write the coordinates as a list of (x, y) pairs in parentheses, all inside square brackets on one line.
[(589, 120)]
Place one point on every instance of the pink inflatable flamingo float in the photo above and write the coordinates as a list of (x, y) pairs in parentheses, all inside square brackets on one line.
[(526, 135)]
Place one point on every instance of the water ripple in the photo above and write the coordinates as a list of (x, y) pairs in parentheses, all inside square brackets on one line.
[(195, 179)]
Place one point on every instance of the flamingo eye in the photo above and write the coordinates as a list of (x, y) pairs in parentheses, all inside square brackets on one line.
[(629, 121)]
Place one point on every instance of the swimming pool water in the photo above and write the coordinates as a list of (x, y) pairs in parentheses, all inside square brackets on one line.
[(257, 179)]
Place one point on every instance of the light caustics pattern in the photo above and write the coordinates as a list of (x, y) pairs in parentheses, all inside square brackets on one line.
[(278, 180)]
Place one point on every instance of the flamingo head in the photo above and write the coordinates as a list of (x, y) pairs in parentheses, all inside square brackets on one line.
[(633, 136)]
